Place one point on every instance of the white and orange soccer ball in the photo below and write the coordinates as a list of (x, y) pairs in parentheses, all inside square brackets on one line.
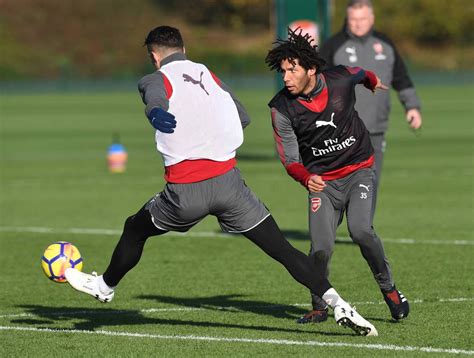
[(58, 257)]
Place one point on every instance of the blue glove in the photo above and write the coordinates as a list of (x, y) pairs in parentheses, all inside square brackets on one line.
[(162, 120)]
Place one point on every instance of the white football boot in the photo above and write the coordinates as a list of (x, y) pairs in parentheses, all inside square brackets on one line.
[(347, 316), (88, 284)]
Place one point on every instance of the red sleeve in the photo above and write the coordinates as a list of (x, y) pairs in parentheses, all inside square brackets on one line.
[(370, 80), (298, 172), (288, 148), (359, 75)]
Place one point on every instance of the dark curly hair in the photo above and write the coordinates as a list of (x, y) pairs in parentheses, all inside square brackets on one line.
[(297, 46)]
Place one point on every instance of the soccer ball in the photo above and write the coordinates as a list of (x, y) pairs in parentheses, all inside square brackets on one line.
[(58, 257)]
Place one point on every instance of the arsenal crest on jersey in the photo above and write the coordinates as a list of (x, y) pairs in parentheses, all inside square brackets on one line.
[(315, 204), (379, 55)]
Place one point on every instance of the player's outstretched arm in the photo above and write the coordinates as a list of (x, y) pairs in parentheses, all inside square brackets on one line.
[(162, 120), (379, 85), (155, 91), (367, 78), (373, 82)]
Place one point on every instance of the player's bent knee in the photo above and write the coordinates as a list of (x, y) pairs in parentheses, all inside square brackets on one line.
[(135, 228), (321, 255), (321, 259), (130, 223), (361, 235)]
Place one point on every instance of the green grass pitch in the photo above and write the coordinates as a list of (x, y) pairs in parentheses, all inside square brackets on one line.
[(206, 294)]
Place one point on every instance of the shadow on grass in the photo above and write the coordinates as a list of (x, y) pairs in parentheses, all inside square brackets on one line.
[(304, 236), (91, 319), (230, 303)]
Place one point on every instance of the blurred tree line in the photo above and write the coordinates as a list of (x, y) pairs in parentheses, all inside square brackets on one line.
[(233, 14), (425, 22), (429, 22), (89, 38)]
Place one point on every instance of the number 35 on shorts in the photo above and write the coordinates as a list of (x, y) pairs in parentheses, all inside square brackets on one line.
[(364, 191)]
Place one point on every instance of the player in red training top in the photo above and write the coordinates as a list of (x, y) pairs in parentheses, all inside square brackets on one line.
[(325, 146)]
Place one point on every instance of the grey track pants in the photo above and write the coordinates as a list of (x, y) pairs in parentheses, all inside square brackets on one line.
[(379, 144), (354, 195)]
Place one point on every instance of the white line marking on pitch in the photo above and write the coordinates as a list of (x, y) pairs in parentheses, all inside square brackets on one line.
[(220, 308), (388, 347), (90, 231), (105, 312)]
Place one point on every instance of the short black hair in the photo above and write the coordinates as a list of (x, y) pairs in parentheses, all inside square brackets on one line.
[(297, 46), (164, 36)]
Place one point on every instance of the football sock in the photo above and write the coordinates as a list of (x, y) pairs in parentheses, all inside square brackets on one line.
[(103, 287), (387, 290), (332, 298)]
